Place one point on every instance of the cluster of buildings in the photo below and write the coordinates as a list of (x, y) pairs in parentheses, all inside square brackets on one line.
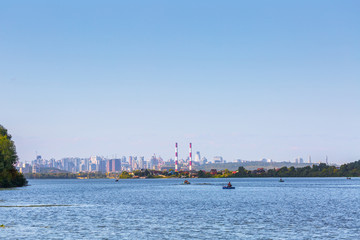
[(298, 160), (113, 165), (92, 164), (132, 163), (184, 164)]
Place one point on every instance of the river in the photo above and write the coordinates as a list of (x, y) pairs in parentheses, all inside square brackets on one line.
[(258, 208)]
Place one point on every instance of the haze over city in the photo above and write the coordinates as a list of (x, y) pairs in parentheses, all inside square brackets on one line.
[(241, 80)]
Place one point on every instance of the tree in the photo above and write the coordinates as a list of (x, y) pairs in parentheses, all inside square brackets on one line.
[(9, 176), (125, 175), (201, 174), (147, 173), (242, 172)]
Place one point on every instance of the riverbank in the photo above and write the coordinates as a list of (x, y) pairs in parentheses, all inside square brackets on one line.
[(321, 170)]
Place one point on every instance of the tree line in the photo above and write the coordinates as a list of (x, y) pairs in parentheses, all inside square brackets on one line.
[(321, 170), (65, 175), (9, 176)]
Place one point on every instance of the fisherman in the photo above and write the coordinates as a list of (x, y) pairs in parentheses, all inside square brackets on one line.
[(229, 184)]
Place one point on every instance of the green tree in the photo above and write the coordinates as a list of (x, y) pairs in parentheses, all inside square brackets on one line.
[(9, 176), (242, 172), (125, 175), (201, 174), (147, 173)]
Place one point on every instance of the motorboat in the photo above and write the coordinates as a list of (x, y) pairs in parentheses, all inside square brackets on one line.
[(186, 182)]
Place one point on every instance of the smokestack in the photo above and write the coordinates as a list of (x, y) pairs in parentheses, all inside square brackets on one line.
[(176, 157), (190, 155)]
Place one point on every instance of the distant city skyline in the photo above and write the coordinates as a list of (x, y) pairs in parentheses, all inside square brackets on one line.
[(241, 79), (202, 160), (105, 165)]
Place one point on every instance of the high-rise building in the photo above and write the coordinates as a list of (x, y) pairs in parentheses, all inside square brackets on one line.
[(141, 162), (52, 163), (154, 162), (25, 168), (109, 165), (218, 159), (95, 165), (299, 160), (92, 167), (135, 164), (204, 160), (77, 164), (35, 168), (160, 163), (197, 157), (93, 159), (116, 165), (102, 165), (130, 162)]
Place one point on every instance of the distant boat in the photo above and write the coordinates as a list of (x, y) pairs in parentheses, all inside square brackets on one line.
[(116, 180), (348, 178), (281, 180), (186, 182), (228, 186)]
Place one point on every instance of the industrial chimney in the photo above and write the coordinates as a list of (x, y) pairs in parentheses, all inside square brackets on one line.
[(190, 155), (176, 157)]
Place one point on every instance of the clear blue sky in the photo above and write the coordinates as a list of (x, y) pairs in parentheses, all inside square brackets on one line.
[(240, 79)]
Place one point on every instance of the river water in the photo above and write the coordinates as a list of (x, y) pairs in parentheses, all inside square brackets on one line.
[(258, 208)]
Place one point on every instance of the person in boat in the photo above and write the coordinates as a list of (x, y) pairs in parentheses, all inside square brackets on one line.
[(186, 182), (229, 184)]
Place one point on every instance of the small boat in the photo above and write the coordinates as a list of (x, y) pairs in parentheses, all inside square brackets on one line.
[(186, 182), (281, 180), (348, 178), (116, 180), (227, 187)]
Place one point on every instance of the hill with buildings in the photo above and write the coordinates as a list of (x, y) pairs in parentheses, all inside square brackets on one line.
[(249, 165)]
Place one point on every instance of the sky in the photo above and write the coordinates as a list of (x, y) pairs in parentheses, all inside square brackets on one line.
[(239, 79)]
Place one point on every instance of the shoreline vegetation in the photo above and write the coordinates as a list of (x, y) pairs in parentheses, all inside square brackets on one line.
[(322, 170), (9, 176)]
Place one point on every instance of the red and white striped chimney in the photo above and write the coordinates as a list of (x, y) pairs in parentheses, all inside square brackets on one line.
[(190, 155), (176, 157)]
